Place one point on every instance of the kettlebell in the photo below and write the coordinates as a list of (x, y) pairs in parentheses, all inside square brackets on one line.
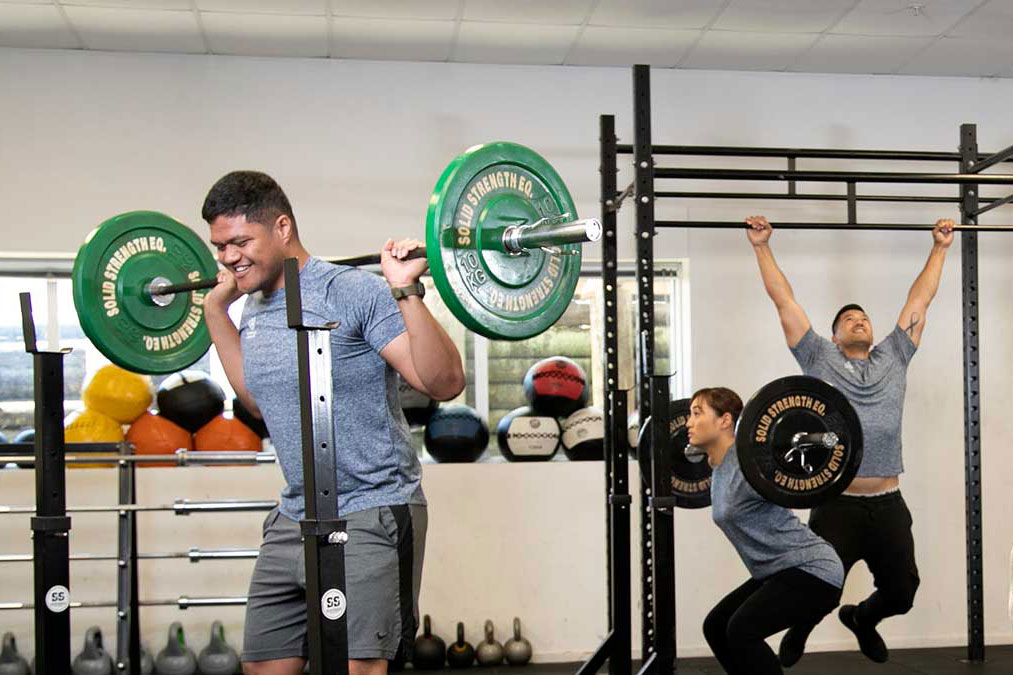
[(489, 652), (176, 658), (218, 658), (460, 654), (429, 650), (12, 663), (147, 663), (93, 659), (517, 648)]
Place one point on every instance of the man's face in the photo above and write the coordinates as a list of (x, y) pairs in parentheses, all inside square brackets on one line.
[(253, 252), (853, 328), (704, 425)]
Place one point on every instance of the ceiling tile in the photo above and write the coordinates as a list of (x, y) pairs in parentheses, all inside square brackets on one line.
[(655, 13), (782, 16), (900, 17), (528, 11), (397, 9), (265, 34), (26, 2), (860, 54), (130, 4), (397, 40), (729, 50), (141, 30), (992, 21), (607, 46), (513, 43), (959, 56), (311, 7), (38, 26)]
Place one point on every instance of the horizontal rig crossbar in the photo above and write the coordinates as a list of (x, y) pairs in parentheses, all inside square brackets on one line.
[(738, 225), (835, 176), (802, 153), (662, 194)]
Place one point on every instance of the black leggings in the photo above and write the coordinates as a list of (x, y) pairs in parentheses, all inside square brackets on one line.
[(737, 627), (878, 531)]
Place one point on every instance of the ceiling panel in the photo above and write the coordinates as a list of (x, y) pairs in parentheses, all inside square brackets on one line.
[(993, 21), (513, 43), (860, 54), (392, 39), (39, 26), (397, 9), (142, 30), (312, 7), (782, 16), (128, 4), (265, 34), (729, 50), (607, 46), (656, 13), (959, 56), (528, 11), (903, 17)]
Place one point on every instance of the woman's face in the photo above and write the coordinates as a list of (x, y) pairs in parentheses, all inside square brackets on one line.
[(704, 425)]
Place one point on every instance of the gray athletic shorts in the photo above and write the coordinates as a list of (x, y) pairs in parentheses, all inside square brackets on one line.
[(383, 570)]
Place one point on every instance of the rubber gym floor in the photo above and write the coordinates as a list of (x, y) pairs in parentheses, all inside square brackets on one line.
[(942, 661)]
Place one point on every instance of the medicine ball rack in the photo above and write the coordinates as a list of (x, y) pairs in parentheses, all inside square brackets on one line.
[(656, 522), (50, 523)]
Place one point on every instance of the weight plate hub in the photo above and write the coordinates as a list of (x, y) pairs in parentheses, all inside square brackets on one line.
[(111, 275), (483, 192), (798, 475)]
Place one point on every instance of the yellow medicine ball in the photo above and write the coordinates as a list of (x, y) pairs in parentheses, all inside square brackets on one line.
[(118, 393), (89, 426)]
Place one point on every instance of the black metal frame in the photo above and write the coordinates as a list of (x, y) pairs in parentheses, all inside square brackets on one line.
[(324, 533), (50, 525), (657, 597)]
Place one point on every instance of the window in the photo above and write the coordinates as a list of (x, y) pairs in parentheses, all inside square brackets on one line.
[(494, 369)]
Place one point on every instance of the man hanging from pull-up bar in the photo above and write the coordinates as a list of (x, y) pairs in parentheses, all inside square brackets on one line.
[(383, 327), (870, 521)]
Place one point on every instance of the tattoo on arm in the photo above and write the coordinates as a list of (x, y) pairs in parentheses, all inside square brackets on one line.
[(910, 330)]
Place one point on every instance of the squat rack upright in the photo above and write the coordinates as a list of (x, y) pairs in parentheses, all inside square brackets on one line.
[(657, 531)]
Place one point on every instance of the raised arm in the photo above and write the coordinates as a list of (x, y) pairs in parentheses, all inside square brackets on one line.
[(912, 317), (794, 321), (424, 354), (225, 336)]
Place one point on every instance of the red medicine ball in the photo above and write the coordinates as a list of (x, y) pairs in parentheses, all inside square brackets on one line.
[(556, 386)]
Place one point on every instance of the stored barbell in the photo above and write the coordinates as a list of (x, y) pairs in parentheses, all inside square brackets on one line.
[(798, 442), (181, 507), (194, 555), (502, 242)]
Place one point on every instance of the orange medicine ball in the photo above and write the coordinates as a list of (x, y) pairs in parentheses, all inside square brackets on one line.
[(223, 434), (155, 435)]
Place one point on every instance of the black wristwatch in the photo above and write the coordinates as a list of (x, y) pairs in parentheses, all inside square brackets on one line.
[(402, 292)]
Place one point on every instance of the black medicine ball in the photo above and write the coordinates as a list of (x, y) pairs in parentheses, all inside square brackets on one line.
[(525, 436), (416, 406), (191, 399), (256, 424), (456, 433), (584, 435), (556, 386)]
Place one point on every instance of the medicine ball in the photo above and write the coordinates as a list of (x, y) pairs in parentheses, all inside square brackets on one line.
[(256, 424), (118, 393), (416, 406), (556, 386), (584, 435), (191, 399), (26, 436), (226, 434), (155, 435), (525, 436), (88, 426), (456, 433)]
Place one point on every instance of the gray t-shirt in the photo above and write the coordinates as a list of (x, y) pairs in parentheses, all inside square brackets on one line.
[(376, 464), (875, 386), (769, 538)]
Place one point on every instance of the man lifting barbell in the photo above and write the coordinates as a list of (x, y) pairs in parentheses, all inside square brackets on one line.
[(870, 520), (795, 575), (384, 328)]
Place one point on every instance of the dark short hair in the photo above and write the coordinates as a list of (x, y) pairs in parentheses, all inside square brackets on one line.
[(842, 310), (249, 193), (721, 400)]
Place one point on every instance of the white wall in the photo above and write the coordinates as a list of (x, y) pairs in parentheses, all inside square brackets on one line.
[(358, 147)]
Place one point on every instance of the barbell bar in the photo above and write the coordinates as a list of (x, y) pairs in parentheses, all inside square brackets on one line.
[(194, 555), (181, 507), (182, 602)]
